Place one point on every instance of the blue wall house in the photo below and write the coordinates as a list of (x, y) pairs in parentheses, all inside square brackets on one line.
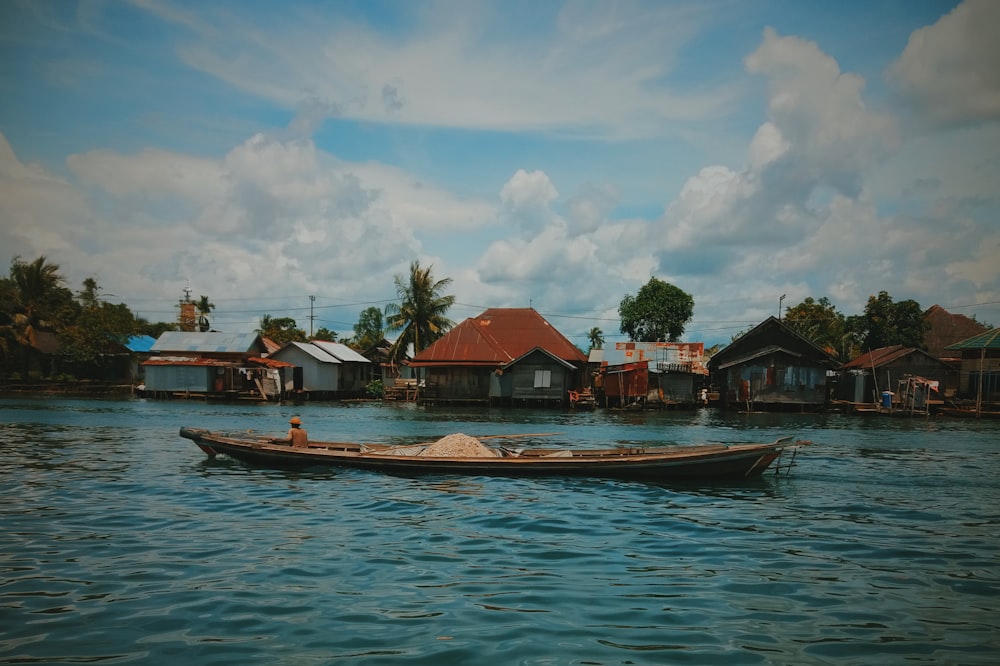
[(211, 365)]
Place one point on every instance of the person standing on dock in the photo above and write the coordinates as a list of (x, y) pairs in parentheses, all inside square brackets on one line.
[(297, 435)]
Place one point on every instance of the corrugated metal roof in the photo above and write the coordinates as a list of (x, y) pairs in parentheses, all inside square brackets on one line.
[(215, 362), (986, 340), (205, 343), (758, 353), (879, 357), (140, 343), (948, 329), (341, 351), (314, 351), (188, 360), (269, 362), (498, 336)]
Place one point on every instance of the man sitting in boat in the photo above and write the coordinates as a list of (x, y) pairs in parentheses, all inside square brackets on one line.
[(297, 435)]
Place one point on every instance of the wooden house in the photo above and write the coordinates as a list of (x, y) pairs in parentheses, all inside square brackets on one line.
[(211, 365), (650, 374), (324, 370), (772, 367), (900, 371), (979, 371), (507, 356)]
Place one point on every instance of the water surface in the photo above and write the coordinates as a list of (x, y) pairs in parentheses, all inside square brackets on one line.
[(120, 542)]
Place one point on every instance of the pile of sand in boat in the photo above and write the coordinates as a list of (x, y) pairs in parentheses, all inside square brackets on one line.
[(449, 446), (460, 446)]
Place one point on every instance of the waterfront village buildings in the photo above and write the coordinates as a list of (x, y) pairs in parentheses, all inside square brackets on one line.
[(515, 357)]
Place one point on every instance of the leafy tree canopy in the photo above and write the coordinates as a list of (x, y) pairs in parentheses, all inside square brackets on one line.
[(658, 313), (98, 328), (820, 322), (886, 323), (370, 329), (596, 338), (204, 307), (325, 334), (281, 329), (421, 313)]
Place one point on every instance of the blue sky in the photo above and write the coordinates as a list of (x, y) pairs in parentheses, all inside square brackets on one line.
[(552, 154)]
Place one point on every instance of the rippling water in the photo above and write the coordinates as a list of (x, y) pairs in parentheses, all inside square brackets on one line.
[(120, 542)]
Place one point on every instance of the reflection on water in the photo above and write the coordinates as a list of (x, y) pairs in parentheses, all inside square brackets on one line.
[(122, 542)]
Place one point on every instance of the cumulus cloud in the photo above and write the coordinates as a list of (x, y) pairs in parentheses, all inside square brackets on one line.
[(948, 73), (592, 206), (820, 112), (819, 140), (526, 198)]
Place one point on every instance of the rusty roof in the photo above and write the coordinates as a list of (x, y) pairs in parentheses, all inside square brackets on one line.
[(879, 357), (216, 362), (496, 337), (948, 329)]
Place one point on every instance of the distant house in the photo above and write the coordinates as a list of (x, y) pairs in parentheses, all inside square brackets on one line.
[(650, 374), (772, 367), (502, 356), (211, 365), (979, 373), (866, 378), (324, 370), (946, 329)]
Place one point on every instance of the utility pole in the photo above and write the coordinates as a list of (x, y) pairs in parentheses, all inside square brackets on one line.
[(779, 306), (312, 299)]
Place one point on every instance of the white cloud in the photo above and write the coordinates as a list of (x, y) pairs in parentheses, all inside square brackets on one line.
[(461, 66), (948, 72)]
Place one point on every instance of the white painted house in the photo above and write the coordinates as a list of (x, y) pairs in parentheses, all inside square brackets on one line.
[(324, 368)]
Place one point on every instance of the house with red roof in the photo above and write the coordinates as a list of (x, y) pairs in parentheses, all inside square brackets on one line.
[(510, 356)]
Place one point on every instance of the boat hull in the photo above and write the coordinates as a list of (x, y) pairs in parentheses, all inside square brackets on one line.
[(717, 461)]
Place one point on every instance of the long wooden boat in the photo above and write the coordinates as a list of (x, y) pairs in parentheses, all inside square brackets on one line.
[(707, 461)]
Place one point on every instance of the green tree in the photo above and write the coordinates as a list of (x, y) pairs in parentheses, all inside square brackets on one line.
[(596, 338), (281, 329), (154, 329), (204, 308), (659, 312), (886, 323), (420, 314), (97, 329), (34, 300), (370, 329), (325, 334), (819, 322)]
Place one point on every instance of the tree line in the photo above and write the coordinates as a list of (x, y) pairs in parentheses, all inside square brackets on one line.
[(37, 309), (35, 302)]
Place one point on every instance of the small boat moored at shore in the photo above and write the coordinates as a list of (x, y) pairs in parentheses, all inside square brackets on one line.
[(461, 454)]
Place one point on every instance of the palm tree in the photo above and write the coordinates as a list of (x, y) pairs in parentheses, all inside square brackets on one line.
[(36, 294), (596, 337), (420, 314), (204, 309)]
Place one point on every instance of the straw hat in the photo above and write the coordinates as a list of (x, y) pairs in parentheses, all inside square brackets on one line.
[(295, 420)]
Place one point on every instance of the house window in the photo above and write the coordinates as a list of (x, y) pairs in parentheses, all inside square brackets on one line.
[(543, 378)]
